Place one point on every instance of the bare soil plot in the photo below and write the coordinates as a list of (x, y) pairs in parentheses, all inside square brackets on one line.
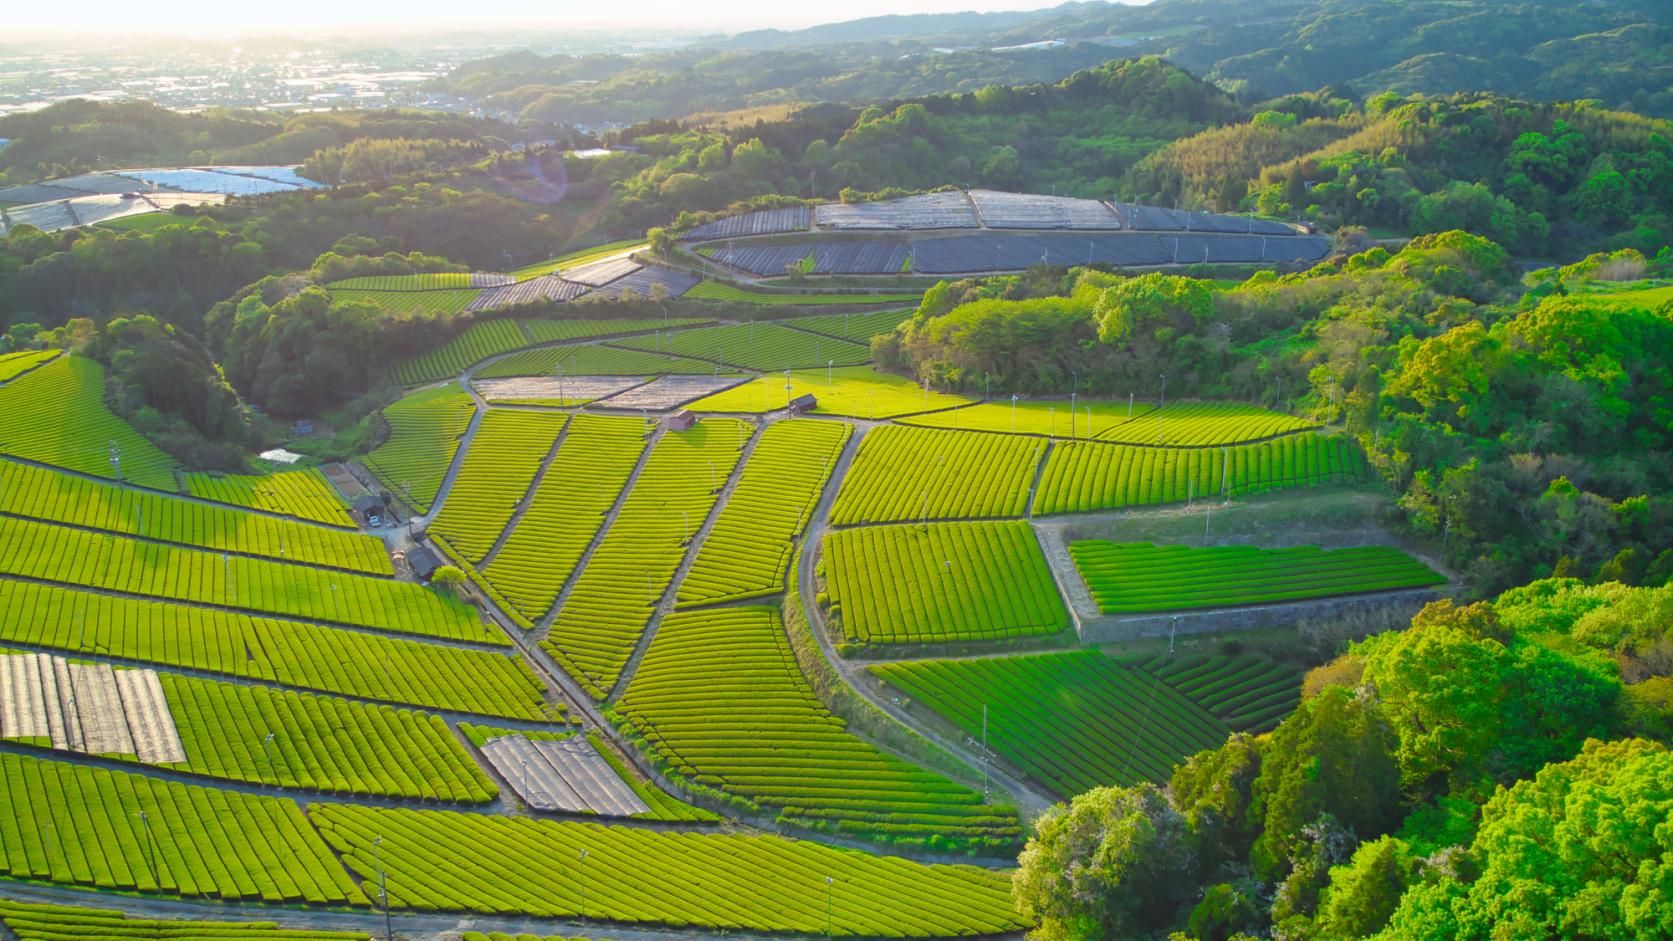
[(668, 392), (570, 390)]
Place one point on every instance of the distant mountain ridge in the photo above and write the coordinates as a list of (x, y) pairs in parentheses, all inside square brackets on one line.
[(890, 27), (1617, 51)]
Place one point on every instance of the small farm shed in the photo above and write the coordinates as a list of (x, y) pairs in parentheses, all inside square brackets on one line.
[(367, 507), (802, 404), (681, 420), (424, 563)]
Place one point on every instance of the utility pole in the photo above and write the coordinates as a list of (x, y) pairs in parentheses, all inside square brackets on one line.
[(150, 850), (583, 885), (383, 890)]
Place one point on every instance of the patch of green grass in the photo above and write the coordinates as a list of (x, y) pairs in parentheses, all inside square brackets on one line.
[(1648, 295), (147, 222)]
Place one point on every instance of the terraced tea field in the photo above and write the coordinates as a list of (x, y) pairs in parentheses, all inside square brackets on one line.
[(192, 841), (291, 653), (720, 291), (927, 474), (304, 494), (554, 330), (719, 699), (1082, 476), (854, 391), (859, 328), (487, 338), (29, 922), (480, 340), (243, 632), (14, 364), (1071, 721), (441, 861), (765, 345), (941, 582), (113, 563), (1205, 424), (499, 467), (593, 360), (416, 304), (1248, 693), (320, 743), (586, 476), (53, 497), (56, 415), (430, 281), (746, 553), (424, 432), (625, 578), (1034, 417), (1134, 577)]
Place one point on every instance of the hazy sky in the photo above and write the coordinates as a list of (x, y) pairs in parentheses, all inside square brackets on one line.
[(205, 18)]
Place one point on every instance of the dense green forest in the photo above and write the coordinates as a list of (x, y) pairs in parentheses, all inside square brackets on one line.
[(1538, 178), (1494, 771)]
